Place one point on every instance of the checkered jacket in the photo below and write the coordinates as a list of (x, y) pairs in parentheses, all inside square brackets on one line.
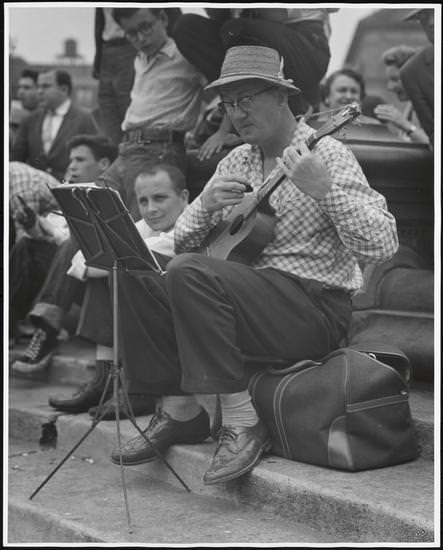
[(315, 239)]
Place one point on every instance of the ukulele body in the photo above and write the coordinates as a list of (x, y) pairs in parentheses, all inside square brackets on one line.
[(240, 238)]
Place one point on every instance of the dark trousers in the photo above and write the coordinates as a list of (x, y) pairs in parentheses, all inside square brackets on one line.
[(114, 88), (59, 291), (189, 331), (303, 46), (96, 323), (29, 263)]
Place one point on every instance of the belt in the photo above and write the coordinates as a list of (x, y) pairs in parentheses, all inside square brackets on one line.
[(148, 135)]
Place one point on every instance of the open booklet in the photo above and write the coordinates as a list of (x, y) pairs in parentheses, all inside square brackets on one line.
[(104, 229)]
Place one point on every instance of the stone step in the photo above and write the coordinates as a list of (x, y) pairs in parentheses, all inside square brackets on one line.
[(84, 502), (392, 504)]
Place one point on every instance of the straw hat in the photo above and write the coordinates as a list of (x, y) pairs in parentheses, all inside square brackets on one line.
[(246, 62)]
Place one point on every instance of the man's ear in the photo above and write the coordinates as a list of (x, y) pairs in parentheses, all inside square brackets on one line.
[(104, 163), (184, 195)]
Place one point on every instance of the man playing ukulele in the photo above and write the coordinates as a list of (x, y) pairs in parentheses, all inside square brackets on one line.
[(190, 332)]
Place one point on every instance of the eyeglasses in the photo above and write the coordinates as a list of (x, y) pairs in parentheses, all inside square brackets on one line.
[(145, 27), (243, 103)]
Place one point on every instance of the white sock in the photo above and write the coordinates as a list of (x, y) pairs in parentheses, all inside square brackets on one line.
[(238, 410), (181, 407), (104, 353)]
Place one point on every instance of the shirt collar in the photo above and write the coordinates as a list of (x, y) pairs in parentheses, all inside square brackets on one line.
[(168, 49), (63, 108)]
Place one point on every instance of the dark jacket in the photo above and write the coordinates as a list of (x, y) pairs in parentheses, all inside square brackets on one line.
[(417, 76), (28, 146)]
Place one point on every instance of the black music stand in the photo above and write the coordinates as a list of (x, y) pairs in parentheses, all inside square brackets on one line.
[(109, 239)]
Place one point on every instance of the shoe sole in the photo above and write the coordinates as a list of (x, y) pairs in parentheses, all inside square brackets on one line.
[(25, 368), (135, 463), (264, 448)]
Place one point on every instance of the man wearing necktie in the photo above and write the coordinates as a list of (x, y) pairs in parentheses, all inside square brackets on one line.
[(42, 139)]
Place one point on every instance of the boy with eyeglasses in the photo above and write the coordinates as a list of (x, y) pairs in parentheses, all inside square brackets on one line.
[(165, 101)]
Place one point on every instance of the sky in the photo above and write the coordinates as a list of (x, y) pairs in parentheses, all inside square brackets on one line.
[(39, 32)]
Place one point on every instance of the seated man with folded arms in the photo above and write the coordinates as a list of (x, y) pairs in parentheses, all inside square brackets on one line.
[(161, 197), (190, 332), (89, 156)]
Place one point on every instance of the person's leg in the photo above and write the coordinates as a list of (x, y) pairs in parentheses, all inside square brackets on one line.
[(58, 293), (29, 263), (220, 316), (115, 84), (223, 311), (59, 290), (96, 325)]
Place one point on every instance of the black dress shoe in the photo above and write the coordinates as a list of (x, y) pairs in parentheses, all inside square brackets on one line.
[(163, 431), (141, 404), (88, 394), (238, 451)]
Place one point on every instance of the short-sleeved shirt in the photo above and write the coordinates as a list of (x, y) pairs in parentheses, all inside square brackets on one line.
[(167, 91), (314, 239)]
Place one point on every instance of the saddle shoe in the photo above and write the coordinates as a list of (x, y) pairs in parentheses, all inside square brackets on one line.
[(237, 452), (163, 431)]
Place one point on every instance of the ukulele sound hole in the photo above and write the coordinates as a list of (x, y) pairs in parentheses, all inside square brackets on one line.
[(236, 224)]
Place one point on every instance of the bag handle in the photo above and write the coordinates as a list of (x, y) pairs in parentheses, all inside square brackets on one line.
[(298, 367)]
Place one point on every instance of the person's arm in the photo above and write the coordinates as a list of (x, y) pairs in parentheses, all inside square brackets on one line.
[(222, 192), (215, 142), (332, 176), (389, 113)]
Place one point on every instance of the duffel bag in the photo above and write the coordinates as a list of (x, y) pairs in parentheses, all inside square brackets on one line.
[(348, 411)]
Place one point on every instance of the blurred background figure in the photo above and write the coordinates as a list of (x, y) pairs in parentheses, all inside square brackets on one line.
[(402, 123), (114, 68), (343, 87), (417, 74), (43, 135), (27, 90)]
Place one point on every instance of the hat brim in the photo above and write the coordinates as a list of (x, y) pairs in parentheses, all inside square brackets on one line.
[(235, 78)]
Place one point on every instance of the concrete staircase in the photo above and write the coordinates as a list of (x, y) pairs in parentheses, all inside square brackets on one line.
[(280, 502)]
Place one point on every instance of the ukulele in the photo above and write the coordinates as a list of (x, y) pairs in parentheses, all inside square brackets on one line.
[(250, 225)]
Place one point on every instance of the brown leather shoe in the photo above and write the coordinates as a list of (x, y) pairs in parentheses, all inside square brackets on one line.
[(238, 451), (163, 431)]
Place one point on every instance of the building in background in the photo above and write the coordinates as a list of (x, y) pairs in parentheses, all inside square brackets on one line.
[(374, 35), (85, 86)]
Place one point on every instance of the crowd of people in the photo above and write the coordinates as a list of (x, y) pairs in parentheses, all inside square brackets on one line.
[(235, 81)]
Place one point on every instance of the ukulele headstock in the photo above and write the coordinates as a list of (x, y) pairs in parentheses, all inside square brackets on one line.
[(350, 113)]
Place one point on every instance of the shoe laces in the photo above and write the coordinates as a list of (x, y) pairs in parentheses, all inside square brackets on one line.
[(35, 345), (225, 434)]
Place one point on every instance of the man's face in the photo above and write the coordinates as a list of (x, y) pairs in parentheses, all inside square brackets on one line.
[(394, 83), (27, 93), (159, 203), (51, 95), (343, 91), (257, 118), (83, 166), (146, 32)]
